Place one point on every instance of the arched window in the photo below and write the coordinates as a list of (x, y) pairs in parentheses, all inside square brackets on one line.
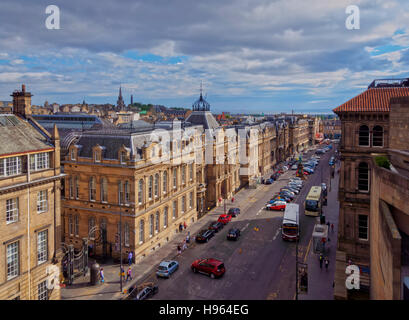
[(363, 177), (91, 228), (150, 187), (92, 189), (140, 191), (141, 231), (364, 136), (104, 189), (183, 174), (156, 185), (157, 222), (174, 209), (151, 225), (183, 204), (377, 136), (175, 178), (165, 217), (191, 171), (165, 182)]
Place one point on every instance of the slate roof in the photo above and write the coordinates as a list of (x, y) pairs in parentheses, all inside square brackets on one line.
[(372, 100), (204, 118), (19, 136)]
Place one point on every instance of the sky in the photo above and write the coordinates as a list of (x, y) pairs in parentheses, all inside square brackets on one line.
[(252, 56)]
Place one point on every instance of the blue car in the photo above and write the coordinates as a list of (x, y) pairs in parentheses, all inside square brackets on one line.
[(166, 268), (268, 181)]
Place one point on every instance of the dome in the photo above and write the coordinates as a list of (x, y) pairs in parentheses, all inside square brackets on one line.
[(201, 104)]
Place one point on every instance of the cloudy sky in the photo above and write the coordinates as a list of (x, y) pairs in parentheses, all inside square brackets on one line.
[(252, 55)]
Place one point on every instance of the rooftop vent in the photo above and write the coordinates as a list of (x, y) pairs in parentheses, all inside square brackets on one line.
[(389, 83)]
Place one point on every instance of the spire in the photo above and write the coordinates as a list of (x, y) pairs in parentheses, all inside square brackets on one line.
[(201, 89), (120, 105)]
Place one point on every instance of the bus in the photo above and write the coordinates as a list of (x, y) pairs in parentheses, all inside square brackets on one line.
[(290, 228), (313, 202)]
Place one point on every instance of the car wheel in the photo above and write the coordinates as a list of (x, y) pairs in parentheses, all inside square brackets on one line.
[(212, 275), (282, 209), (194, 270)]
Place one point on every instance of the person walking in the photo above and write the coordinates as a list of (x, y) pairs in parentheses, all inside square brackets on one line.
[(122, 274), (326, 263), (188, 237), (184, 225), (180, 227), (101, 275), (129, 274), (332, 227), (184, 246), (179, 250), (321, 260), (130, 258)]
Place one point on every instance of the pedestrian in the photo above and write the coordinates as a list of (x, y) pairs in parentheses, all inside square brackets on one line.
[(101, 275), (321, 260), (184, 225), (184, 247), (129, 274), (130, 258), (326, 263), (188, 237), (328, 224), (179, 250), (180, 227), (122, 274), (332, 227)]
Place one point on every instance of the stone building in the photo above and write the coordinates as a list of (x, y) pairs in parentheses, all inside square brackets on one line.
[(298, 135), (364, 130), (332, 128), (389, 211), (30, 201)]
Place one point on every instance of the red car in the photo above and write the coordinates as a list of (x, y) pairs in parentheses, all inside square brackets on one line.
[(224, 218), (278, 205), (212, 267)]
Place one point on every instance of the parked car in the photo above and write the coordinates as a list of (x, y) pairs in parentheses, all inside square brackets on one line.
[(292, 189), (216, 226), (285, 168), (319, 151), (212, 267), (233, 234), (284, 190), (146, 292), (224, 218), (309, 170), (234, 212), (294, 167), (166, 268), (204, 235), (279, 205), (275, 176)]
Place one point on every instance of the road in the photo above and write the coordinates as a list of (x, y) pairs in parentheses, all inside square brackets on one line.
[(260, 265)]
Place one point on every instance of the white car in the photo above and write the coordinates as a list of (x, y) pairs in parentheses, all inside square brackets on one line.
[(285, 168)]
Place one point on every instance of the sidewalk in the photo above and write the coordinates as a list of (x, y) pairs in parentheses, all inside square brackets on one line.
[(320, 281), (110, 290)]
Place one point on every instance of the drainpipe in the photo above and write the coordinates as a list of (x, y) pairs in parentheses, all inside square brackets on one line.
[(28, 229)]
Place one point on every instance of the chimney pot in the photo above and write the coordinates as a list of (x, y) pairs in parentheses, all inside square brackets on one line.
[(23, 87)]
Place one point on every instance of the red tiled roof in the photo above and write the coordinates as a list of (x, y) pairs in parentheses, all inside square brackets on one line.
[(372, 100)]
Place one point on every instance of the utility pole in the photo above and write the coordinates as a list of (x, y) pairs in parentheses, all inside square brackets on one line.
[(120, 243)]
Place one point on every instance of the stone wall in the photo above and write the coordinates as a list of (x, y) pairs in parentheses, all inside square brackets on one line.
[(399, 123)]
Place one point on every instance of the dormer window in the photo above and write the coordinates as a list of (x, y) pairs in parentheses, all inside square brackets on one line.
[(123, 157), (97, 156), (73, 154), (153, 152)]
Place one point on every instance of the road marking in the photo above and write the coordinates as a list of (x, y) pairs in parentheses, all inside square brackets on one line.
[(278, 231), (245, 227), (259, 211)]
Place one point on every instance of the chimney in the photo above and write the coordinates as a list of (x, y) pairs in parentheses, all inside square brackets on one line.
[(22, 102)]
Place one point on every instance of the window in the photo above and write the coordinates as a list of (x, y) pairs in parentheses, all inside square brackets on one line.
[(141, 231), (157, 222), (39, 161), (42, 246), (77, 225), (363, 177), (183, 174), (150, 187), (97, 156), (123, 157), (377, 136), (42, 201), (13, 268), (104, 190), (175, 178), (42, 290), (364, 136), (120, 192), (92, 189), (183, 204), (191, 171), (71, 187), (126, 234), (363, 227), (91, 230), (103, 227), (10, 166), (174, 210), (191, 200), (127, 192), (140, 191), (156, 185), (165, 182), (72, 154), (77, 187), (70, 225), (151, 225), (12, 210), (165, 218)]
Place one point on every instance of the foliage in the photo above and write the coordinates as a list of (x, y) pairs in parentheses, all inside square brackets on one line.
[(383, 162)]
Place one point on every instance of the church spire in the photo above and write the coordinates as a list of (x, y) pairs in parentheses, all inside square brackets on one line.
[(120, 105)]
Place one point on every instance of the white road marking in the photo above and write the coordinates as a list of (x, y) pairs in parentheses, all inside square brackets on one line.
[(278, 231), (259, 211), (245, 227)]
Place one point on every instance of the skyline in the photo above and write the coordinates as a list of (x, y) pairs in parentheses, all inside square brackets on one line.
[(251, 57)]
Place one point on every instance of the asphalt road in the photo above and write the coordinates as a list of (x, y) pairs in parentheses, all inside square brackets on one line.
[(260, 265)]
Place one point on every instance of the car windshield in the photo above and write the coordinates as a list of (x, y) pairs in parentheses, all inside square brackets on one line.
[(220, 266), (311, 205), (162, 268), (289, 229)]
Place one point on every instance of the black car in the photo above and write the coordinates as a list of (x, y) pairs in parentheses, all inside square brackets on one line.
[(233, 234), (234, 212), (275, 176), (204, 235), (216, 226), (286, 195), (145, 293)]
